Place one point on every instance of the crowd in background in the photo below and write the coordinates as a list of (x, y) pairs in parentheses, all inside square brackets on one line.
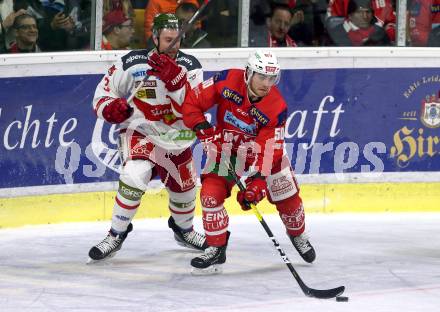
[(65, 25)]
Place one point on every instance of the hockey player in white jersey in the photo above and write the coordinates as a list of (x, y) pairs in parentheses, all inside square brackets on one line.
[(153, 141)]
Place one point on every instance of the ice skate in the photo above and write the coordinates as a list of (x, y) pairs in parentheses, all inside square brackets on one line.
[(108, 247), (210, 262), (303, 246), (191, 239)]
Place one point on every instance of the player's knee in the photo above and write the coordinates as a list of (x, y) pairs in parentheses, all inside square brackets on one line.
[(213, 193), (136, 174), (282, 185), (289, 205)]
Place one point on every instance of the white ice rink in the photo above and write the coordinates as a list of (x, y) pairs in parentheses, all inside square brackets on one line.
[(387, 263)]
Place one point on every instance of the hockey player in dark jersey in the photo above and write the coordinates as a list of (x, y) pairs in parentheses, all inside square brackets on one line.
[(154, 112), (249, 134)]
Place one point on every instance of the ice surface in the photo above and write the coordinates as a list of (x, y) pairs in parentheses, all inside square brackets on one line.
[(388, 262)]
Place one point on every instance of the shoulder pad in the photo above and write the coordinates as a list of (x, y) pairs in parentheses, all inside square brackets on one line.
[(220, 76), (188, 61), (282, 117), (133, 58)]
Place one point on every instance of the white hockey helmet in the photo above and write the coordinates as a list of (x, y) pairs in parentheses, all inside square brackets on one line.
[(265, 63)]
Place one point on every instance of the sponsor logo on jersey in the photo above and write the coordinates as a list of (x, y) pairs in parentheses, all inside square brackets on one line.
[(185, 60), (146, 94), (137, 57), (259, 116), (139, 73), (146, 84), (240, 124), (232, 96), (242, 112), (208, 83)]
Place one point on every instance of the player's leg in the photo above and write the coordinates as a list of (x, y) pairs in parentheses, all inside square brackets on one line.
[(134, 177), (181, 189), (214, 191), (284, 194)]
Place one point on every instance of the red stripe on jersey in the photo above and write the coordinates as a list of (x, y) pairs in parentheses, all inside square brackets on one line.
[(126, 206), (153, 112), (176, 106), (101, 101)]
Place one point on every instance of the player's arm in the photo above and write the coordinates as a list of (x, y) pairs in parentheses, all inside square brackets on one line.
[(197, 102), (109, 101), (194, 76)]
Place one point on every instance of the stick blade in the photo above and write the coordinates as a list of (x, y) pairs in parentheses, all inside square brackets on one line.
[(324, 293)]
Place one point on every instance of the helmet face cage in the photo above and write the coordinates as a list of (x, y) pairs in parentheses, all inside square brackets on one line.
[(164, 21), (264, 63)]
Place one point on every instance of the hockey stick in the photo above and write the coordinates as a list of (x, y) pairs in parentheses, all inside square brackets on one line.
[(310, 292), (179, 36)]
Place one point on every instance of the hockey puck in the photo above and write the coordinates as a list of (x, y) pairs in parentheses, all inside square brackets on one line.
[(341, 299)]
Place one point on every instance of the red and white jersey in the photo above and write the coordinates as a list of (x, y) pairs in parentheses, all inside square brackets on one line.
[(424, 15), (157, 111), (383, 11), (273, 42), (241, 121)]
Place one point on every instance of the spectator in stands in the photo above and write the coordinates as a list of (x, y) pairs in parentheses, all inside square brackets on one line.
[(65, 26), (115, 5), (359, 28), (221, 23), (424, 22), (117, 31), (155, 7), (383, 11), (7, 17), (195, 37), (277, 28), (26, 34)]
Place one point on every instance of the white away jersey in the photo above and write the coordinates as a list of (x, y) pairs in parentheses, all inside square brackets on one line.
[(157, 112)]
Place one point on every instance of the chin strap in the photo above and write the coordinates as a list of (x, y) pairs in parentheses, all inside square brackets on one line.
[(252, 96)]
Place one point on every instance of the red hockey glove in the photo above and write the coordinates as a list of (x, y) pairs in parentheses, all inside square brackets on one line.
[(211, 138), (117, 111), (167, 70), (256, 190)]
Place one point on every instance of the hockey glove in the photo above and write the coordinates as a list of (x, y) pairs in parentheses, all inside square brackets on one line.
[(117, 111), (209, 136), (167, 70), (256, 190)]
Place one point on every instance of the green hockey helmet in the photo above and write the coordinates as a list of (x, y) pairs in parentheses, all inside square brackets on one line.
[(163, 21)]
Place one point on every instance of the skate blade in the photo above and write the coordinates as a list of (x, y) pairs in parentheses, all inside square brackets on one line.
[(211, 270), (91, 261)]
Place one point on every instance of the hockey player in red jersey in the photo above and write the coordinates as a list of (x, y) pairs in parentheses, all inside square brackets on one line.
[(155, 112), (251, 115)]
